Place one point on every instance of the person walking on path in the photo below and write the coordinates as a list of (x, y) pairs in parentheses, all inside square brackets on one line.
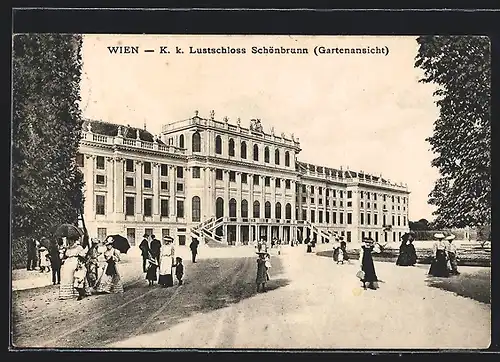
[(367, 267), (179, 269), (262, 274), (110, 280), (71, 263), (166, 262), (144, 246), (439, 252), (31, 250), (404, 254), (55, 263), (452, 255), (154, 248), (194, 249)]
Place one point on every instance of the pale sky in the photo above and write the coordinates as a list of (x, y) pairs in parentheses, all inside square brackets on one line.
[(364, 111)]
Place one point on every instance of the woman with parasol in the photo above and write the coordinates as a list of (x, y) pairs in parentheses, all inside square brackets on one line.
[(367, 268), (110, 280)]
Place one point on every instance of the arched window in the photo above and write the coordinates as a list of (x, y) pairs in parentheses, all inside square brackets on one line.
[(277, 157), (181, 141), (287, 159), (288, 212), (256, 209), (219, 207), (232, 208), (255, 152), (196, 142), (231, 147), (243, 150), (218, 145), (267, 210), (277, 211), (266, 154), (244, 209), (196, 209)]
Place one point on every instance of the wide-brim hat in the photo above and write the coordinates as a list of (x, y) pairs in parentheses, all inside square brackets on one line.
[(261, 252), (168, 239), (145, 235), (109, 241), (439, 236), (450, 237)]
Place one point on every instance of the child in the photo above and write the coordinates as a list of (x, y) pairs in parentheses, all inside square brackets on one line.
[(179, 269), (151, 267), (340, 256), (44, 260), (262, 274)]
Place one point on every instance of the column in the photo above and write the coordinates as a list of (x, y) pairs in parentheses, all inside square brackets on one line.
[(262, 196), (138, 191), (280, 232), (273, 197), (118, 186), (250, 195), (225, 175), (293, 203), (89, 209), (110, 187), (250, 234), (214, 193), (172, 173), (156, 191), (238, 236), (206, 195), (283, 199), (239, 196)]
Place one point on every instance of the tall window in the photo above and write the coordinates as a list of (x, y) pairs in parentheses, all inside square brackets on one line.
[(244, 208), (80, 160), (277, 211), (100, 205), (196, 172), (231, 147), (148, 210), (266, 154), (129, 165), (99, 162), (218, 145), (147, 168), (180, 208), (164, 170), (232, 208), (288, 212), (256, 179), (287, 159), (255, 152), (256, 209), (180, 172), (164, 207), (196, 209), (181, 141), (129, 206), (267, 210), (196, 142), (277, 157), (243, 150), (349, 218)]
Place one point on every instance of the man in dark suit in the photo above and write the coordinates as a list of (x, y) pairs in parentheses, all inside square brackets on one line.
[(32, 251), (194, 249), (144, 246), (155, 248)]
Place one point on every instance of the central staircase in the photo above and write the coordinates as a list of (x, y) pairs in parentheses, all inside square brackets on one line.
[(205, 231)]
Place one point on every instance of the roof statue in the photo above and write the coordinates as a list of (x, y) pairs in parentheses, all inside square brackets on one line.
[(196, 113), (226, 119), (120, 131), (272, 131), (293, 137), (212, 114), (283, 135), (138, 136), (255, 125), (89, 127), (238, 121)]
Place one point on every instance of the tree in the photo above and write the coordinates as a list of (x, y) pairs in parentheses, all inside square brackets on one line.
[(420, 225), (46, 130), (460, 67)]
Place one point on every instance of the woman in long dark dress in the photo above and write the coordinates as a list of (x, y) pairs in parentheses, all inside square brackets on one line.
[(438, 266), (412, 252), (367, 265), (404, 255)]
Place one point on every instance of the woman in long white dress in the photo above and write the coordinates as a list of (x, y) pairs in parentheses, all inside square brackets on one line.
[(110, 280), (70, 265), (167, 259)]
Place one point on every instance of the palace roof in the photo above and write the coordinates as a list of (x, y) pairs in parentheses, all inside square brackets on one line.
[(111, 129)]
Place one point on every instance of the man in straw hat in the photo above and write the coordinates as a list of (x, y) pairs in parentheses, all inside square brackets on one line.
[(452, 254)]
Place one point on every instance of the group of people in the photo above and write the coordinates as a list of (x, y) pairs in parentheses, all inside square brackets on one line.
[(157, 256), (407, 253), (445, 260)]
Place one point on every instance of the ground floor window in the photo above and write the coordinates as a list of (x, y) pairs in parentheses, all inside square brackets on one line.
[(182, 239), (101, 233)]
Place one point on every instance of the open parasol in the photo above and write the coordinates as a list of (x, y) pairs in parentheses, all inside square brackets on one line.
[(69, 231), (120, 243)]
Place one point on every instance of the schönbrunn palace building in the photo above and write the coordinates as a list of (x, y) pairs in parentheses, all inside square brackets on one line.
[(225, 183)]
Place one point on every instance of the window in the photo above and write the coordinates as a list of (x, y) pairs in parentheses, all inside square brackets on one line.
[(376, 236), (399, 220), (219, 174), (288, 212), (182, 239), (327, 215), (102, 233), (362, 218), (100, 205), (320, 190), (399, 200), (164, 170), (180, 208), (287, 184), (79, 159), (277, 157), (367, 205), (147, 168), (180, 172), (196, 209), (277, 183), (334, 217), (334, 193), (244, 209), (312, 200), (361, 194), (232, 176), (196, 172), (164, 207), (341, 194), (304, 189), (393, 223), (362, 204), (277, 211), (404, 220), (165, 233), (320, 201), (375, 199), (266, 154), (181, 141), (304, 214), (368, 219), (129, 206), (148, 211), (164, 185), (349, 238), (256, 209), (231, 147), (303, 199), (327, 191), (385, 221), (100, 162), (313, 216), (255, 152), (385, 236), (375, 219), (320, 217), (349, 194), (244, 178), (129, 181), (349, 203), (287, 159), (312, 189), (385, 197), (267, 181), (147, 184), (232, 208), (243, 150), (267, 210), (218, 145), (100, 179), (368, 195), (180, 187), (256, 179), (362, 235), (129, 165), (341, 203), (196, 142), (349, 218), (392, 197)]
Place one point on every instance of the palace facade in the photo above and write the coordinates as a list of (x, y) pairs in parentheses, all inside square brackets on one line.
[(219, 182)]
